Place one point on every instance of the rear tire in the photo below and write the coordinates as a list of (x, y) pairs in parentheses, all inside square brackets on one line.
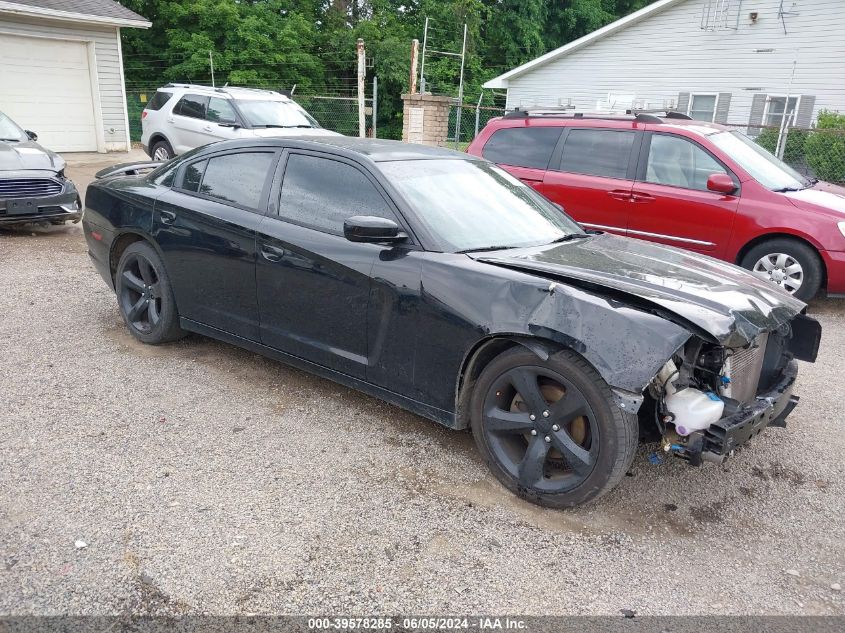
[(145, 296), (162, 151), (579, 443), (795, 264)]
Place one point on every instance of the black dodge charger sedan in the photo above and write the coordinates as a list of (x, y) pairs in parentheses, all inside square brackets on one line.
[(33, 186), (436, 281)]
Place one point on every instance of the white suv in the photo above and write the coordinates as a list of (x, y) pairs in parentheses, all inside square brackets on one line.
[(181, 117)]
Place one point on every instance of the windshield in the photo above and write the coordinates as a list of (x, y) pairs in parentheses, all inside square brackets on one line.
[(768, 170), (275, 114), (9, 130), (472, 205)]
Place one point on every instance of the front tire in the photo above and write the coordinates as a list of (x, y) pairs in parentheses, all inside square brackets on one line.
[(550, 431), (788, 263), (145, 296)]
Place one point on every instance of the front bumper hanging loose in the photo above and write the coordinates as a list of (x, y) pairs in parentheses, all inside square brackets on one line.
[(726, 435)]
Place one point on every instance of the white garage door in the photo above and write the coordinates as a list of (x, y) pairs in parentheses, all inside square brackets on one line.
[(45, 87)]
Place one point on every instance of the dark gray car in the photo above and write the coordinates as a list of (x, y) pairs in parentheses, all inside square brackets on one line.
[(33, 186)]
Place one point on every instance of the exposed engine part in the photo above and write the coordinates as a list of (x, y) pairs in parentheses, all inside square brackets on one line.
[(691, 409)]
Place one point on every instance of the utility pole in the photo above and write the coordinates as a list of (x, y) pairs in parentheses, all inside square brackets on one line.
[(422, 63), (460, 91), (375, 105), (211, 63), (362, 70), (415, 47)]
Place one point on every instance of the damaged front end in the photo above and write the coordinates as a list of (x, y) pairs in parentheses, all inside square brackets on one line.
[(709, 399)]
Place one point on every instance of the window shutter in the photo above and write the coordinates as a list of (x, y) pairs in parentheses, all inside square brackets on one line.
[(683, 102), (804, 116), (758, 108), (722, 107)]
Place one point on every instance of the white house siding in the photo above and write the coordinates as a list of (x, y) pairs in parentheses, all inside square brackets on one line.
[(106, 46), (667, 53)]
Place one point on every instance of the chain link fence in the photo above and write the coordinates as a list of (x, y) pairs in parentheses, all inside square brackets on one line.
[(336, 113), (472, 121), (816, 152)]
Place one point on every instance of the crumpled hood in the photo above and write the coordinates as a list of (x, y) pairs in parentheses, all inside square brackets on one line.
[(823, 194), (724, 300), (22, 156)]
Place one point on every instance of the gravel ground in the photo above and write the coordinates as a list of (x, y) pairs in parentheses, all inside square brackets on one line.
[(200, 478)]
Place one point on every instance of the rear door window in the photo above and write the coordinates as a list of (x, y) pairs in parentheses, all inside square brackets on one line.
[(238, 178), (193, 176), (191, 106), (596, 152), (530, 147)]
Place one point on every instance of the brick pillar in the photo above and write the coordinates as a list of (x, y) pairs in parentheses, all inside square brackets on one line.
[(425, 119)]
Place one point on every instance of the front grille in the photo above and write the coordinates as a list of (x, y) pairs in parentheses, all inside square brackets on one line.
[(29, 187), (745, 367)]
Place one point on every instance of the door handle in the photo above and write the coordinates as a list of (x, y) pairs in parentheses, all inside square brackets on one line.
[(170, 119), (271, 253), (620, 194), (641, 197), (167, 217), (207, 128)]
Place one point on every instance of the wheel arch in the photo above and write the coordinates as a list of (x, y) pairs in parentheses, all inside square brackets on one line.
[(484, 351), (159, 136), (782, 235), (121, 242)]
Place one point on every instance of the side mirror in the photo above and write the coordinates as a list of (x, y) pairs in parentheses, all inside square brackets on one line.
[(32, 135), (368, 228), (231, 124), (721, 183)]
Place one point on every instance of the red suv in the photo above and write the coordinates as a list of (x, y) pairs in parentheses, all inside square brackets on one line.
[(684, 183)]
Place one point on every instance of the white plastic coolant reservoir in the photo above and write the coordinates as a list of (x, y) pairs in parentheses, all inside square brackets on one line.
[(694, 410)]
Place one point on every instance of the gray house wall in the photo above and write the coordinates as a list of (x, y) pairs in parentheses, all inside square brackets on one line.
[(666, 56), (109, 72)]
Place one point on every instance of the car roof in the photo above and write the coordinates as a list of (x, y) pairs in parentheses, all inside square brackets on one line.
[(607, 120), (375, 149), (228, 92)]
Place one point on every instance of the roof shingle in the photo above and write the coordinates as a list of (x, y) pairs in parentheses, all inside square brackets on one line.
[(99, 8)]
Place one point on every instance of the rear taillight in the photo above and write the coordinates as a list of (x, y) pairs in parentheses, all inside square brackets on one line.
[(143, 114)]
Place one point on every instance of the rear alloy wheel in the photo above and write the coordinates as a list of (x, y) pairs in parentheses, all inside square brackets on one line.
[(145, 297), (550, 430), (162, 151), (790, 264)]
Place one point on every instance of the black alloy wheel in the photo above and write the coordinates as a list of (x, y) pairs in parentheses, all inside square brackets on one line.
[(550, 430), (145, 297)]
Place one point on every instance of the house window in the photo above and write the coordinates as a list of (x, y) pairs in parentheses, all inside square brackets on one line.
[(702, 107), (779, 107)]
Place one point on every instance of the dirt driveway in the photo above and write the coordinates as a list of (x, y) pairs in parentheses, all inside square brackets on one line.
[(197, 477)]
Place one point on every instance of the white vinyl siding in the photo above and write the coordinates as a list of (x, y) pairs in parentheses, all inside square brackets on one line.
[(667, 54), (106, 57)]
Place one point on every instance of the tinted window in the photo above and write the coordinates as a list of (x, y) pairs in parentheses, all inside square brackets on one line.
[(220, 110), (597, 152), (675, 161), (192, 106), (158, 100), (322, 193), (237, 178), (522, 146), (193, 175)]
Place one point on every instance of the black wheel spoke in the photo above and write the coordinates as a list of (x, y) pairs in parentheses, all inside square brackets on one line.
[(137, 310), (533, 462), (524, 380), (578, 457), (500, 421), (146, 271), (155, 290), (133, 281), (568, 408)]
